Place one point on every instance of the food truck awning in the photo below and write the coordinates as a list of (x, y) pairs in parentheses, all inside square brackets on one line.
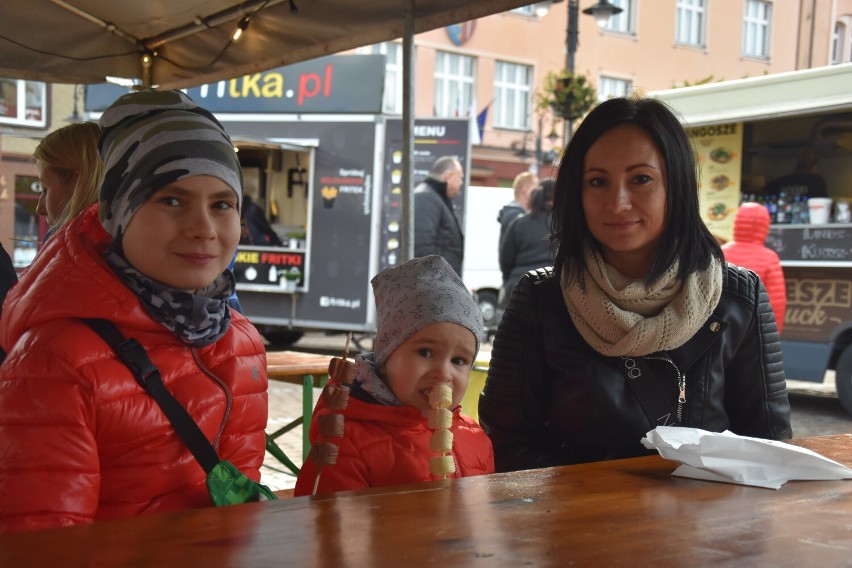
[(828, 89), (292, 145), (189, 41)]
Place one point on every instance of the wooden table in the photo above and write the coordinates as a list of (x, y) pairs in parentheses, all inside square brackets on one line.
[(625, 512), (308, 370)]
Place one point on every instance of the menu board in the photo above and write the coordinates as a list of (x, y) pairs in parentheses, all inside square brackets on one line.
[(811, 243), (433, 138), (719, 149)]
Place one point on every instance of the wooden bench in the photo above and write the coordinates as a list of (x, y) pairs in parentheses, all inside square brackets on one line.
[(306, 369)]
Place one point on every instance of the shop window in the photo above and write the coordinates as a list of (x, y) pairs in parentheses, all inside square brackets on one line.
[(756, 22), (625, 21), (454, 83), (29, 225), (512, 95), (840, 41), (22, 103), (690, 22), (609, 87)]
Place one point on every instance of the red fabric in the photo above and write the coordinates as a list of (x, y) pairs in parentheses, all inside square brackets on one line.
[(389, 445), (80, 440), (751, 226)]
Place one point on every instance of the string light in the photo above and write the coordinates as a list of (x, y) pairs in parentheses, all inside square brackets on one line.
[(241, 27)]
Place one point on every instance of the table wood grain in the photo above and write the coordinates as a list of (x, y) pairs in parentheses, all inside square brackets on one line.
[(291, 366), (617, 513)]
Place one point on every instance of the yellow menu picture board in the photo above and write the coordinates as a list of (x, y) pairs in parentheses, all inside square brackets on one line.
[(720, 160)]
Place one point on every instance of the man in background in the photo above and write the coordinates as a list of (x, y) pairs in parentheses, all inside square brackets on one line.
[(523, 185), (436, 228), (804, 180)]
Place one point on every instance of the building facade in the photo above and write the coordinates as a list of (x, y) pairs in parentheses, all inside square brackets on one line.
[(493, 68)]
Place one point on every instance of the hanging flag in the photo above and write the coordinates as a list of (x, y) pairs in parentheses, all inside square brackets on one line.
[(477, 122), (481, 118), (473, 130)]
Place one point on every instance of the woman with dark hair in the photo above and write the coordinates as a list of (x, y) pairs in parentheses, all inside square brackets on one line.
[(526, 244), (640, 323)]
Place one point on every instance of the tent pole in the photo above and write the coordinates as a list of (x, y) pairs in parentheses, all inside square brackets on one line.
[(407, 248)]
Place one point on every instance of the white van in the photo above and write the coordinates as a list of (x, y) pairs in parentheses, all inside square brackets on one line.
[(481, 269)]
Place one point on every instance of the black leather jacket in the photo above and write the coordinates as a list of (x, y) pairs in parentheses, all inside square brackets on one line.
[(550, 399)]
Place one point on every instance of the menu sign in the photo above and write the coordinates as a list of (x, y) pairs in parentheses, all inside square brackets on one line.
[(811, 243), (719, 150), (433, 139)]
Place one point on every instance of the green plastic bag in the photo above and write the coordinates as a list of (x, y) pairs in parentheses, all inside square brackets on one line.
[(229, 486)]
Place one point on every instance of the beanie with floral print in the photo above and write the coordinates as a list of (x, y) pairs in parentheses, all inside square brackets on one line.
[(417, 293)]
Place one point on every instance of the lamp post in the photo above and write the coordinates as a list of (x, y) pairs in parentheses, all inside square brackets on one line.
[(601, 11)]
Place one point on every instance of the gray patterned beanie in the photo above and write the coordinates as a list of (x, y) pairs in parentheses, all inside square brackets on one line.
[(150, 139), (418, 293)]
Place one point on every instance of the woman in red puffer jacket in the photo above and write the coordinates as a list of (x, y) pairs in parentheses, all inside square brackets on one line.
[(751, 225)]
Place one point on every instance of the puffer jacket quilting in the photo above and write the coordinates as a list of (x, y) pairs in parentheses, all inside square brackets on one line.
[(747, 249), (79, 439), (389, 445)]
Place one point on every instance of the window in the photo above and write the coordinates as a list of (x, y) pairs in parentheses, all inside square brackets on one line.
[(30, 227), (756, 28), (23, 103), (392, 99), (625, 21), (454, 75), (689, 28), (837, 43), (609, 87), (512, 95)]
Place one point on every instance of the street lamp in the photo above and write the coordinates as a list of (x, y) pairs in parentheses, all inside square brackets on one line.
[(602, 12)]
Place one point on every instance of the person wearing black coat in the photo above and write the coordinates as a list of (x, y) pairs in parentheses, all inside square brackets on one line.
[(526, 244), (8, 276), (437, 229), (639, 323)]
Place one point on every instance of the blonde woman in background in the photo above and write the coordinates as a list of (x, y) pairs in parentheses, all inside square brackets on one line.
[(69, 172), (69, 175)]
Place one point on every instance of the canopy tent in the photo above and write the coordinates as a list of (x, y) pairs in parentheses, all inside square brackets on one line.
[(182, 43), (168, 44)]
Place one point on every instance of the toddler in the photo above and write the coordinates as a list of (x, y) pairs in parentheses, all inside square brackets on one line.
[(428, 330)]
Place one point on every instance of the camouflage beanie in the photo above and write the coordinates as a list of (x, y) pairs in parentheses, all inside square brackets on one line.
[(150, 139), (418, 293)]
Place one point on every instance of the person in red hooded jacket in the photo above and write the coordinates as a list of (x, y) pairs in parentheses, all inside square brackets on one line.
[(428, 333), (80, 440), (746, 249)]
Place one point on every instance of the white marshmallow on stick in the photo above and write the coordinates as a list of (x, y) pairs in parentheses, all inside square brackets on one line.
[(441, 441)]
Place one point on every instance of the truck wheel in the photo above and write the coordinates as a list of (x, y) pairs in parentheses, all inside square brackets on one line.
[(487, 302), (843, 378)]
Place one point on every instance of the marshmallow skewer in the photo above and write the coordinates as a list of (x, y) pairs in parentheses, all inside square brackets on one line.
[(335, 396), (441, 441)]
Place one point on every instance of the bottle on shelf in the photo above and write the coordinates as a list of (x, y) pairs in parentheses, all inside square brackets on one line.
[(782, 209)]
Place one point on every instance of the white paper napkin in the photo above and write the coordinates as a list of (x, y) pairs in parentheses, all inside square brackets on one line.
[(731, 458)]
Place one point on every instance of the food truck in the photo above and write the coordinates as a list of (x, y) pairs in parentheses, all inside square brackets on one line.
[(325, 166), (751, 131)]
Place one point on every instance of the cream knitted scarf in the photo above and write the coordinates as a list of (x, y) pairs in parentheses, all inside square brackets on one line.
[(620, 316)]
